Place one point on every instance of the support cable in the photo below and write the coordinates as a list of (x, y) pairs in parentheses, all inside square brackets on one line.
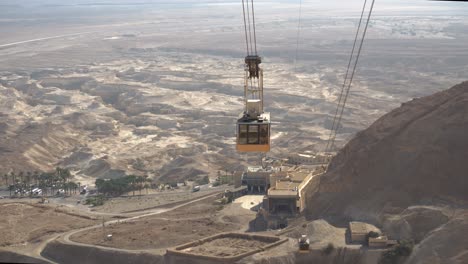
[(254, 31), (334, 124), (354, 69), (245, 28), (298, 34), (343, 100), (250, 28)]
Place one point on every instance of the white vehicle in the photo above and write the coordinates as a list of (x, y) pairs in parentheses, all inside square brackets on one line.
[(36, 191), (196, 188)]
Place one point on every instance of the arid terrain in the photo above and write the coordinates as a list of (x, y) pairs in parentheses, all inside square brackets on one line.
[(169, 229), (22, 223), (105, 96), (406, 173), (113, 88)]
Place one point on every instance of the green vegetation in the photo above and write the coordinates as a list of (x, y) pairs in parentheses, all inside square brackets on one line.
[(371, 234), (328, 249), (204, 180), (216, 183), (398, 253), (22, 184), (119, 186), (226, 178), (95, 200)]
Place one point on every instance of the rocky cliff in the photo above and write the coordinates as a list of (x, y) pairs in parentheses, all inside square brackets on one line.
[(407, 173)]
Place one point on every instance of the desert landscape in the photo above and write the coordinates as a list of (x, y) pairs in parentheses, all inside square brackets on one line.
[(153, 89)]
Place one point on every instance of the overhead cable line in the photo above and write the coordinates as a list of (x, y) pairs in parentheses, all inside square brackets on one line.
[(250, 27), (348, 82), (298, 34), (340, 98), (254, 31), (245, 27)]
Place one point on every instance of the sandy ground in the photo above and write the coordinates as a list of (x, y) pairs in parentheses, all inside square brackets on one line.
[(249, 201), (188, 223), (141, 202), (226, 247), (22, 224)]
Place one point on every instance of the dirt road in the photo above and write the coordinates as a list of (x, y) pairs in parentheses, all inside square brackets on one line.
[(66, 236)]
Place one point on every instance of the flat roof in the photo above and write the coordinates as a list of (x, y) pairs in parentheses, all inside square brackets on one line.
[(258, 169), (274, 193), (237, 189), (299, 176), (286, 185), (225, 247), (358, 227), (265, 116)]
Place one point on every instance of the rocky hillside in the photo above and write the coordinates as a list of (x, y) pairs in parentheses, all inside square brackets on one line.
[(416, 153), (407, 173)]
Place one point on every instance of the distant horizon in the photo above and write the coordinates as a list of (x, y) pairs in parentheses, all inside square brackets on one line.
[(382, 5)]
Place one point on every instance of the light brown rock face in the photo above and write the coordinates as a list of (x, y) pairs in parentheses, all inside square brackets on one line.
[(407, 173), (415, 154)]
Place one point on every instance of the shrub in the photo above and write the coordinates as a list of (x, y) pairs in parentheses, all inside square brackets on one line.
[(372, 234), (204, 180), (95, 200), (328, 249), (397, 253), (224, 200), (216, 183)]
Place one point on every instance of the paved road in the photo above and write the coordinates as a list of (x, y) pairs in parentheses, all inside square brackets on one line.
[(42, 39)]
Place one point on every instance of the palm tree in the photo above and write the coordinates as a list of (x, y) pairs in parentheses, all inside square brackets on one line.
[(5, 178), (148, 181), (28, 180), (35, 177), (63, 175), (140, 181), (133, 180), (21, 181), (72, 186), (13, 176)]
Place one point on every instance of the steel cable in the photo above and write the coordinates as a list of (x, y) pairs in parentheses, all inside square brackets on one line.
[(342, 100)]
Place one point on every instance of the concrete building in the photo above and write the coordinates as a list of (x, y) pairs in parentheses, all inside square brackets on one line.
[(286, 195), (282, 199), (237, 181), (378, 242), (358, 232), (308, 159), (235, 193), (257, 179), (286, 198)]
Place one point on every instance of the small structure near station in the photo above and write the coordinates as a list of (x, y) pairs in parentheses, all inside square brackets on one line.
[(257, 179), (233, 194), (222, 248), (309, 158), (378, 242), (286, 198), (358, 232)]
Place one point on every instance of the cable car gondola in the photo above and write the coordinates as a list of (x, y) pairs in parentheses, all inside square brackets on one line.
[(253, 126)]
